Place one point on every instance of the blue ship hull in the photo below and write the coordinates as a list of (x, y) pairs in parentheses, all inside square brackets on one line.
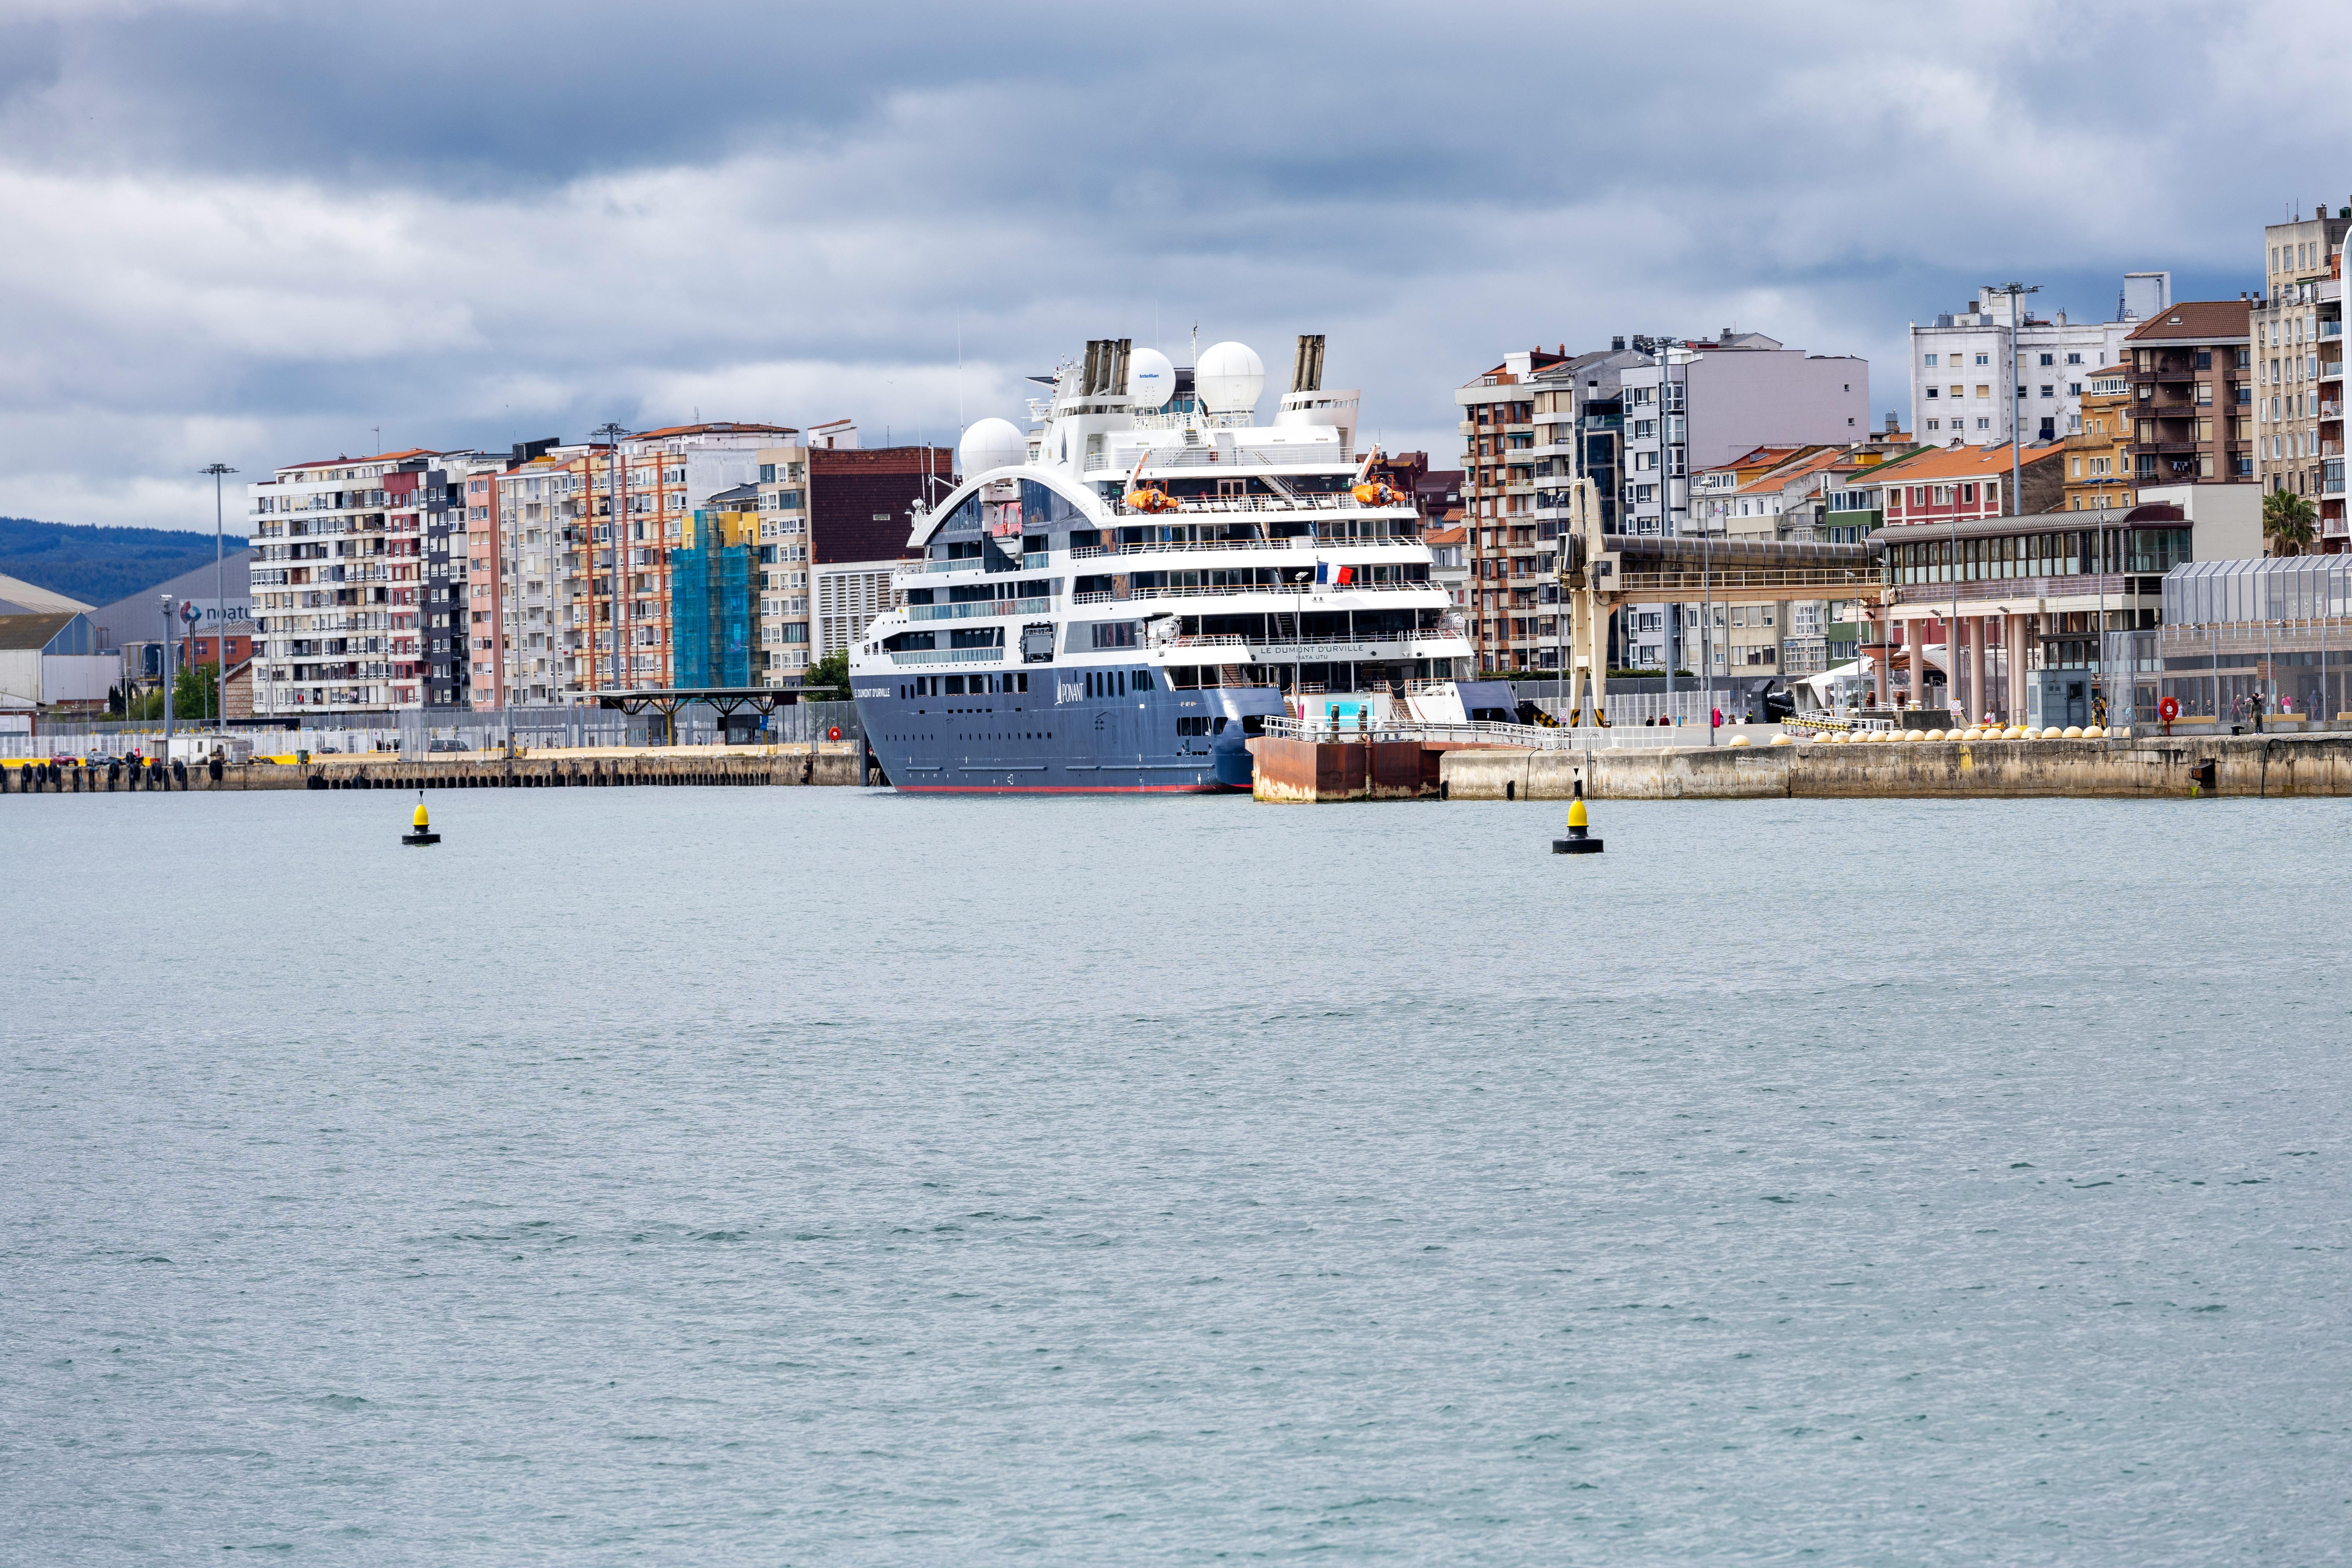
[(1056, 740)]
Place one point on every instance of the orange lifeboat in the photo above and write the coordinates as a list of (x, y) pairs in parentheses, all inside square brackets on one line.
[(1144, 497), (1372, 491)]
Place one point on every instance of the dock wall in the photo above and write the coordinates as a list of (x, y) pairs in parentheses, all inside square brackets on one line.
[(2250, 765)]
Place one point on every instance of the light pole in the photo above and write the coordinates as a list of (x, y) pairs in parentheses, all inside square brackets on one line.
[(615, 492), (220, 594), (2017, 392), (167, 677)]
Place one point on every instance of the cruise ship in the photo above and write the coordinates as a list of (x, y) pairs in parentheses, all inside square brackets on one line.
[(1116, 600)]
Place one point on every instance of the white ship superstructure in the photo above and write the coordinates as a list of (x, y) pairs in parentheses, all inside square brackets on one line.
[(1117, 598)]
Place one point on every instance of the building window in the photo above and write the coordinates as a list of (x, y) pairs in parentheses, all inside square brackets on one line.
[(1933, 391), (1931, 361), (2049, 359), (1984, 423), (1984, 359), (1935, 423), (2074, 358)]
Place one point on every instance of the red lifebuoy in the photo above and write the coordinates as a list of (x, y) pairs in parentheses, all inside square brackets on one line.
[(834, 734), (2169, 710)]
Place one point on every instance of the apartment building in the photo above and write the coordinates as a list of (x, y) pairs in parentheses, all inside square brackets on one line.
[(584, 553), (2192, 395), (338, 580), (2099, 456), (1700, 403), (544, 499), (2297, 341), (1509, 576), (1959, 365)]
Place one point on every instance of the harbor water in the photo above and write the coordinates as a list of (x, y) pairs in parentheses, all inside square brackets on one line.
[(832, 1176)]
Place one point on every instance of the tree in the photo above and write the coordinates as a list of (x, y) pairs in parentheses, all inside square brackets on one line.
[(195, 697), (2287, 522), (827, 681)]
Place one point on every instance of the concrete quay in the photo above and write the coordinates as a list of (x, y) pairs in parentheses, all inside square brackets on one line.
[(2259, 766), (587, 769)]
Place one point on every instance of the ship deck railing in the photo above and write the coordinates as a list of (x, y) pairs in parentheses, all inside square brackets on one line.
[(949, 655), (1320, 502), (1298, 542), (1286, 590), (1478, 732), (978, 607)]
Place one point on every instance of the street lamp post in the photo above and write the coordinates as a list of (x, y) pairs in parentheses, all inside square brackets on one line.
[(220, 594), (616, 494), (167, 677), (2017, 392)]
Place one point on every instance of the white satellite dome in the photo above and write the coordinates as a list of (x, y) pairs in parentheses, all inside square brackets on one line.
[(991, 443), (1150, 379), (1230, 378)]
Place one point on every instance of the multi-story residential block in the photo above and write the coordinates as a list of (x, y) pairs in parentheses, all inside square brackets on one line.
[(337, 581), (1699, 404), (1508, 574), (2191, 395), (585, 543), (1960, 361), (2297, 332), (2099, 456)]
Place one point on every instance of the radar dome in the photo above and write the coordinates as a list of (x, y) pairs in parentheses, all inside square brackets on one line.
[(991, 443), (1150, 379), (1230, 378)]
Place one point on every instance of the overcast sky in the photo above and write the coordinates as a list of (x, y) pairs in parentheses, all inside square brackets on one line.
[(259, 233)]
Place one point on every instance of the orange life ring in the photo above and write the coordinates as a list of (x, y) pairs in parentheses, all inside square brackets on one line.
[(834, 734), (2169, 710)]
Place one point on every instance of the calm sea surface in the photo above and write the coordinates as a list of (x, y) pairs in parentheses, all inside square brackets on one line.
[(824, 1176)]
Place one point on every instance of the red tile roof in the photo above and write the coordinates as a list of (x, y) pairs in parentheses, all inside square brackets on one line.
[(2197, 322)]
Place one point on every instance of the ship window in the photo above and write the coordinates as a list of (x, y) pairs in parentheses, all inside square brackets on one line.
[(1143, 680), (1217, 726), (1191, 726), (1118, 678), (955, 685), (1252, 725)]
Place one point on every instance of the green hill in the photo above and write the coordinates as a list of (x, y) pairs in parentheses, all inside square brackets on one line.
[(99, 565)]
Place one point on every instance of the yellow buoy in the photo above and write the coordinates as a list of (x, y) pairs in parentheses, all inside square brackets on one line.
[(422, 832), (1579, 840)]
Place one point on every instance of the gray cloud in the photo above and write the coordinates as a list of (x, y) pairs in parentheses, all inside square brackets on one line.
[(261, 231)]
